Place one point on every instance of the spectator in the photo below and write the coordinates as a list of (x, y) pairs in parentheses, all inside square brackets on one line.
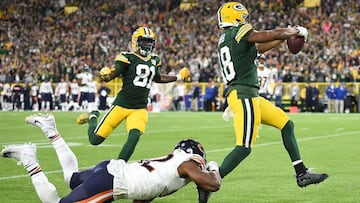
[(340, 93), (294, 94), (211, 92), (330, 97), (17, 91), (6, 97), (195, 96), (103, 93), (26, 96), (279, 92)]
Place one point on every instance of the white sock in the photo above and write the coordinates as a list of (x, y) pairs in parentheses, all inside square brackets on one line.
[(66, 157), (44, 189)]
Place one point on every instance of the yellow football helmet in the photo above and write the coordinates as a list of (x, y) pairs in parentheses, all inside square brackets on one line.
[(231, 14), (143, 41)]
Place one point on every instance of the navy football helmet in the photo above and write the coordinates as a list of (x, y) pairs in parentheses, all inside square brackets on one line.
[(192, 147)]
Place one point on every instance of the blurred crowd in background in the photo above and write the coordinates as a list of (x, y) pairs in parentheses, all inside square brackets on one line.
[(49, 40)]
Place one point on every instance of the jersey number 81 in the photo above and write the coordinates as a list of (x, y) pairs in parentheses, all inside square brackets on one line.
[(144, 75)]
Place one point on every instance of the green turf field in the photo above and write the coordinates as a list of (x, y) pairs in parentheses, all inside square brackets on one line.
[(328, 142)]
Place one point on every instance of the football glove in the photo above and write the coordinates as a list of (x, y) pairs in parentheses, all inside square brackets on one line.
[(105, 73), (183, 73), (212, 166), (302, 31)]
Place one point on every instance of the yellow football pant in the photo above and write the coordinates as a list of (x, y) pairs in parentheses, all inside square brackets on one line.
[(249, 113), (135, 119)]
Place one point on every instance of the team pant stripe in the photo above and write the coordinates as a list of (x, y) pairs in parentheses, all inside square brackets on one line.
[(248, 122), (101, 197), (103, 118)]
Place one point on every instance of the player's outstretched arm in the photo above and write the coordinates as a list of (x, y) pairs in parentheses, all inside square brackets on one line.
[(208, 180), (183, 74), (269, 39)]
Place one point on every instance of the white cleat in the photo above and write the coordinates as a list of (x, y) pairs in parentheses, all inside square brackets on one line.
[(46, 122), (25, 154)]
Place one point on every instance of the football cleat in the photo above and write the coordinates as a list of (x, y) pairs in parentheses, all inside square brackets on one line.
[(309, 177), (204, 195), (84, 118), (25, 154), (46, 122)]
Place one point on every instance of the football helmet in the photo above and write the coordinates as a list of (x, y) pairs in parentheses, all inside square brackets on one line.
[(261, 60), (231, 14), (85, 68), (192, 147), (143, 41)]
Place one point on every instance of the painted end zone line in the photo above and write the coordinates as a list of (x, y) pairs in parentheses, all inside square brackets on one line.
[(212, 151)]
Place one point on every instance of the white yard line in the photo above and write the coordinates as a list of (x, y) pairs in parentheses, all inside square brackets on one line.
[(213, 151)]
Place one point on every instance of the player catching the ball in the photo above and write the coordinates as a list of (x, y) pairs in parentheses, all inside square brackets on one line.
[(237, 49), (138, 70)]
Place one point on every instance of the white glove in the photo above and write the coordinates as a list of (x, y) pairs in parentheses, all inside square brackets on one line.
[(302, 31), (212, 166), (228, 113)]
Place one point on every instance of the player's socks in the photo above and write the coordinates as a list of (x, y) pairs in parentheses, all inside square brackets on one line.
[(299, 167), (44, 189), (233, 159), (129, 146), (93, 138), (289, 141), (67, 158)]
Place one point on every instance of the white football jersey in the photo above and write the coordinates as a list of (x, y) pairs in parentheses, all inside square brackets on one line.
[(74, 88), (46, 87), (62, 88), (85, 78), (34, 90), (6, 89), (264, 80), (92, 86), (148, 179)]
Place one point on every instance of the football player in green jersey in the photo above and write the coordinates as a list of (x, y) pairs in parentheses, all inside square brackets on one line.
[(138, 70), (237, 49)]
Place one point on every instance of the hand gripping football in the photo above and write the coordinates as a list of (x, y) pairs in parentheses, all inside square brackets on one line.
[(105, 72), (295, 44)]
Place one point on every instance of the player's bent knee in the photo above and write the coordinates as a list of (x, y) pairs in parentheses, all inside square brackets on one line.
[(291, 124), (96, 140)]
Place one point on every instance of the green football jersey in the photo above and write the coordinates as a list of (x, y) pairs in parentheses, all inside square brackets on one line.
[(137, 75), (237, 59)]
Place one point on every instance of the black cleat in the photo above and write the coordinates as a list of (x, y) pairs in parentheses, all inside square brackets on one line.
[(204, 195), (309, 177)]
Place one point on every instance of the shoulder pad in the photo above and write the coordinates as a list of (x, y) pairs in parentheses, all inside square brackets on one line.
[(122, 57), (242, 30)]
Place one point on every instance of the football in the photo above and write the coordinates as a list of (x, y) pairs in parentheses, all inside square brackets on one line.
[(295, 44)]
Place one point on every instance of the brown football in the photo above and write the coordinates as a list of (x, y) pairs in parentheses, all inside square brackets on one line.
[(295, 44)]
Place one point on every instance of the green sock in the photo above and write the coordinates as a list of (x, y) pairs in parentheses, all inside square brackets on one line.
[(129, 146), (93, 138), (289, 141), (233, 159)]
